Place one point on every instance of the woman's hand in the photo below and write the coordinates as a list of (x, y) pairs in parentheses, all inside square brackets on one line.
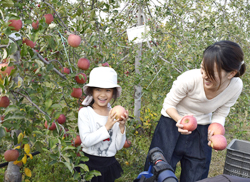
[(180, 128), (123, 122), (209, 135), (111, 120)]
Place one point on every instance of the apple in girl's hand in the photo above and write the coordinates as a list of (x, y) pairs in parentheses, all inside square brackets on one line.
[(127, 144), (189, 123), (218, 142), (217, 128), (120, 111)]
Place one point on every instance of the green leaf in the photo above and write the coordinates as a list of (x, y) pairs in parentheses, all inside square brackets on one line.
[(6, 3), (2, 132), (68, 148), (92, 174), (53, 162), (38, 132), (83, 166), (11, 108), (12, 48), (15, 117), (56, 106), (54, 156), (48, 103), (68, 166), (38, 146)]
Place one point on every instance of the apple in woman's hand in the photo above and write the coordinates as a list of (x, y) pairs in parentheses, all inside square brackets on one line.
[(217, 128), (218, 142), (189, 123)]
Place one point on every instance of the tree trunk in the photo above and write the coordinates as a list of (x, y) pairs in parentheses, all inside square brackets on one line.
[(12, 174), (138, 88)]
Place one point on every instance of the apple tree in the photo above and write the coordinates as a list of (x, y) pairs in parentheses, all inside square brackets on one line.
[(48, 48)]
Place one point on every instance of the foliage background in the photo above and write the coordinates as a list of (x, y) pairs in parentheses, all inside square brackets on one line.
[(180, 31)]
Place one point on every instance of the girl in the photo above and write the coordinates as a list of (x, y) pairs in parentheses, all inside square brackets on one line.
[(207, 94), (101, 134)]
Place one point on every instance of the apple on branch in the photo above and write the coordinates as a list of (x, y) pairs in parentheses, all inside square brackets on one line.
[(16, 24), (218, 142), (52, 127), (4, 101), (29, 43), (105, 64), (7, 70), (120, 111), (81, 80), (48, 18), (217, 128), (189, 123), (74, 40), (61, 119), (76, 93), (65, 70), (11, 155), (35, 25), (83, 63), (76, 141), (127, 144)]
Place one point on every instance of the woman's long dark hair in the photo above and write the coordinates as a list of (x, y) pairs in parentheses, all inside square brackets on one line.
[(227, 55)]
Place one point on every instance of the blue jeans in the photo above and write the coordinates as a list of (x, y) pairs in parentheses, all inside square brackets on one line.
[(191, 150)]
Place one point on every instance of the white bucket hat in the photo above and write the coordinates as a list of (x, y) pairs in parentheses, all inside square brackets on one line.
[(101, 77)]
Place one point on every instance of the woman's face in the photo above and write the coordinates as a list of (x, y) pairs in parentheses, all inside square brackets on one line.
[(215, 84), (102, 96)]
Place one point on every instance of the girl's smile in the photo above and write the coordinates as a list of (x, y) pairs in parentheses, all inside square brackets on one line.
[(102, 96)]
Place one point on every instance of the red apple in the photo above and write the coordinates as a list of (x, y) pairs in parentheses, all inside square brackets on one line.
[(61, 119), (48, 18), (76, 141), (35, 25), (38, 5), (120, 111), (217, 128), (74, 40), (105, 64), (29, 43), (83, 63), (7, 130), (11, 155), (16, 24), (65, 70), (77, 92), (7, 71), (52, 127), (127, 144), (189, 123), (218, 142), (4, 101), (81, 80)]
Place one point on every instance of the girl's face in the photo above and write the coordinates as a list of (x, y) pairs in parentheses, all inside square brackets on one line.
[(214, 85), (102, 96)]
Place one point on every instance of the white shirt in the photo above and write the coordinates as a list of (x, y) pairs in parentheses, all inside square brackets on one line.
[(187, 96), (96, 140)]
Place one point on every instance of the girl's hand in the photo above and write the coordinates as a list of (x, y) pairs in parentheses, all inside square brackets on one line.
[(111, 120), (123, 122), (181, 130)]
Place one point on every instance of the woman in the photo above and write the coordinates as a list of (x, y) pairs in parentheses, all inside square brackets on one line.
[(207, 94)]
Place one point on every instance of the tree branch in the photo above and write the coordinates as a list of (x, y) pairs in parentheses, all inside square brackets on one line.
[(13, 91), (58, 16)]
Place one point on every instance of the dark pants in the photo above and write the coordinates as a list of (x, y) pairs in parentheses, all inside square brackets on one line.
[(191, 150)]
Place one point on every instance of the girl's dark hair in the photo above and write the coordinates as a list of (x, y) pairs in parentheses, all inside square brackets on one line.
[(227, 55), (90, 92)]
